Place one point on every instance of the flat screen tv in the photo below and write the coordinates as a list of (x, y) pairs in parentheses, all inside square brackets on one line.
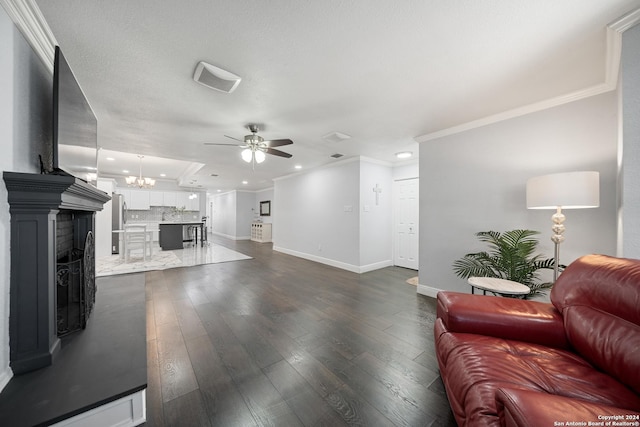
[(75, 128)]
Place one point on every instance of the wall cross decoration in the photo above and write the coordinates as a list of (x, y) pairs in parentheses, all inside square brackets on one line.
[(377, 189)]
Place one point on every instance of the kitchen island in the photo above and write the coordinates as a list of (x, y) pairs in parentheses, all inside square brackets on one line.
[(171, 234)]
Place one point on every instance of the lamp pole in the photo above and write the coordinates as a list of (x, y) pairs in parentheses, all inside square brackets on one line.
[(557, 238)]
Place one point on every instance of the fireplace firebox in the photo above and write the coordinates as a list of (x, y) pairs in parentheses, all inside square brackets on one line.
[(75, 288)]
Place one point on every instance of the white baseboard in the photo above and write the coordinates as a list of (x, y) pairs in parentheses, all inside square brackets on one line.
[(5, 377), (428, 291), (321, 260), (228, 236), (128, 411), (334, 263), (376, 266)]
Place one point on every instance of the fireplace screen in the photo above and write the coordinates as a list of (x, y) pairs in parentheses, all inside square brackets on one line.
[(76, 288)]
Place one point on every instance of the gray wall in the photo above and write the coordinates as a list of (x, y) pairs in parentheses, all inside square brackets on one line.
[(631, 143), (25, 131), (224, 214), (233, 213), (245, 214), (475, 181), (376, 244), (320, 215)]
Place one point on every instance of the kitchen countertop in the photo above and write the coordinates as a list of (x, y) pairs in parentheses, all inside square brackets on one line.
[(181, 223)]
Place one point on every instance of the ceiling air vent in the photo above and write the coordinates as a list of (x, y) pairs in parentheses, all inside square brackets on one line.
[(337, 155), (336, 137), (216, 78)]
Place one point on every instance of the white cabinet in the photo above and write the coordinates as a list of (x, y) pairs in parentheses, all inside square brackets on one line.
[(169, 199), (139, 200), (182, 200), (156, 198), (260, 232)]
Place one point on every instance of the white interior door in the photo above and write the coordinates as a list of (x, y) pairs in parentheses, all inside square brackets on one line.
[(406, 207)]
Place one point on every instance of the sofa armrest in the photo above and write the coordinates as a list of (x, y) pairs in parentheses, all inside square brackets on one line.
[(532, 408), (507, 318)]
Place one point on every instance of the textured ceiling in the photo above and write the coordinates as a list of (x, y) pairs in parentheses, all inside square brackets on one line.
[(382, 72)]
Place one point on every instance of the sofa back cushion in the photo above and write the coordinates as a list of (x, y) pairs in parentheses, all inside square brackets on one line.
[(599, 298)]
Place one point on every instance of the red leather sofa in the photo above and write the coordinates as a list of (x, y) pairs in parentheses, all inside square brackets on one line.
[(572, 362)]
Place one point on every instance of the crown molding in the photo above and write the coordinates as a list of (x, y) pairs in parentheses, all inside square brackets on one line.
[(26, 15), (612, 72)]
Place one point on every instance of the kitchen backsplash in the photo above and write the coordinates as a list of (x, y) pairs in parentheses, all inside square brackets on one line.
[(162, 214)]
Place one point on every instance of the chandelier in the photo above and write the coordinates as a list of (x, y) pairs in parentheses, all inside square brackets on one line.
[(139, 181)]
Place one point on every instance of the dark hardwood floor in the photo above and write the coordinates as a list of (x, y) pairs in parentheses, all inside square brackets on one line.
[(281, 341)]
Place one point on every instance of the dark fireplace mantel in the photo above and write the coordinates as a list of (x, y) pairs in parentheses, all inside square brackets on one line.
[(34, 202)]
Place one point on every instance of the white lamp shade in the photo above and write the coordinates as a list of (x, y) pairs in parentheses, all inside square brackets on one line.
[(570, 190), (259, 156), (246, 155)]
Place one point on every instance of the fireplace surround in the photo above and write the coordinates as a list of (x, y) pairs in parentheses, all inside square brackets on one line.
[(35, 200)]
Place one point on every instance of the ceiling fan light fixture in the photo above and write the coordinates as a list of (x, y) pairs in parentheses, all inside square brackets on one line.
[(216, 78), (259, 155), (247, 155)]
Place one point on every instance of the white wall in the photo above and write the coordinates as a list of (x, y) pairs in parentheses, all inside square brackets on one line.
[(406, 171), (376, 250), (320, 215), (475, 181), (245, 214), (104, 223), (233, 212), (631, 143), (224, 214), (25, 130), (6, 163), (313, 218)]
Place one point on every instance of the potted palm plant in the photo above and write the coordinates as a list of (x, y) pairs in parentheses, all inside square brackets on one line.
[(510, 256)]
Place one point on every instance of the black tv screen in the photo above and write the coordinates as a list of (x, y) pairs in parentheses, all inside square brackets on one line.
[(75, 128)]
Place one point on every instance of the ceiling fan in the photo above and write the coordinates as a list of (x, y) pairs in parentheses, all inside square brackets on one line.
[(255, 146)]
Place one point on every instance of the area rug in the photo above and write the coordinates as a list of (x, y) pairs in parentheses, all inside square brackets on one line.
[(194, 255), (114, 264), (413, 281)]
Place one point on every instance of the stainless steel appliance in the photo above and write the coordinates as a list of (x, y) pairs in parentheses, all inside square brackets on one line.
[(118, 220)]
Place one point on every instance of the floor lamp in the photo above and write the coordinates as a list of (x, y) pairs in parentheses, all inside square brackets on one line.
[(570, 190)]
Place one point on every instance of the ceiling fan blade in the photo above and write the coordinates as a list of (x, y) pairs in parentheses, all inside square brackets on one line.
[(277, 152), (216, 143), (235, 139), (278, 142)]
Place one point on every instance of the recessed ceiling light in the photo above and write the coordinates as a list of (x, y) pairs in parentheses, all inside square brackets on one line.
[(125, 171), (163, 174), (111, 159), (245, 182), (298, 166), (219, 190), (404, 155)]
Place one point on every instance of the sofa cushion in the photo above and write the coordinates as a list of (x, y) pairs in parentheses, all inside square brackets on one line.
[(599, 298), (608, 342), (475, 366), (609, 284)]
